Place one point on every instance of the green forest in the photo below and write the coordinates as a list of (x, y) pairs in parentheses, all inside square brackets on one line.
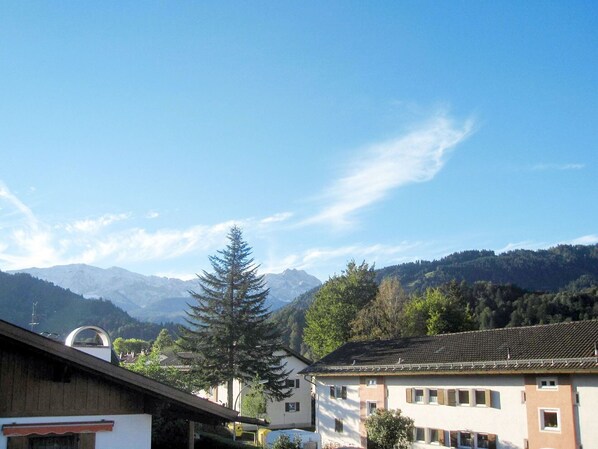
[(59, 311), (463, 291)]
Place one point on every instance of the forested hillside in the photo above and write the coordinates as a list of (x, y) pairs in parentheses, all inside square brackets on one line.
[(541, 270), (59, 311), (511, 289)]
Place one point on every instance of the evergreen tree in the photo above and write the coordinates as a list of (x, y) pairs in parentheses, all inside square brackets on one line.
[(228, 327), (335, 306)]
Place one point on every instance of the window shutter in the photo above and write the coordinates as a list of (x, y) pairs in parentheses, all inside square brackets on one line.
[(454, 439), (297, 383), (440, 396), (286, 406), (426, 395), (298, 408), (491, 441), (344, 392), (409, 392), (472, 397), (523, 397), (441, 438), (332, 392), (451, 396), (488, 394), (525, 443)]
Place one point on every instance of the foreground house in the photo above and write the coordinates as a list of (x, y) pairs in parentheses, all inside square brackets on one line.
[(529, 387), (52, 395)]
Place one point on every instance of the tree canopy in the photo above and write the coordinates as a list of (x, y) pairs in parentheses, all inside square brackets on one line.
[(336, 305), (228, 327), (389, 429)]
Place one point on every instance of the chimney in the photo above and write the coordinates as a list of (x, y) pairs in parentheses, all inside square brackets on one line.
[(100, 345)]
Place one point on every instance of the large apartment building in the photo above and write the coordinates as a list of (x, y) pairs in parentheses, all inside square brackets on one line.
[(530, 387)]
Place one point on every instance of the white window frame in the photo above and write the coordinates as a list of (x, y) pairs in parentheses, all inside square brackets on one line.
[(371, 382), (423, 430), (476, 438), (429, 437), (458, 398), (475, 398), (547, 381), (415, 396), (368, 407), (541, 420), (471, 435), (429, 396), (292, 407)]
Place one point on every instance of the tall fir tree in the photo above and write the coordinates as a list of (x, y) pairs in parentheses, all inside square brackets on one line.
[(228, 325)]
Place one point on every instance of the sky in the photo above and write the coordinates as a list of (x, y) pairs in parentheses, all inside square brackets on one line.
[(135, 134)]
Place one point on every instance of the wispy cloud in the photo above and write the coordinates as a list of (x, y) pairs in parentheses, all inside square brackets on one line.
[(545, 167), (93, 225), (589, 239), (415, 157)]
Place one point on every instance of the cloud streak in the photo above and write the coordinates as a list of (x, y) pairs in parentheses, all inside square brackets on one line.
[(561, 167), (416, 157)]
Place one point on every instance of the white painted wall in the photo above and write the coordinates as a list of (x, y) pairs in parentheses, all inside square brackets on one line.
[(507, 418), (328, 409), (587, 388), (278, 417), (130, 431)]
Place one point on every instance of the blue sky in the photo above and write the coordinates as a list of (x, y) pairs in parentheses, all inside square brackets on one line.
[(135, 134)]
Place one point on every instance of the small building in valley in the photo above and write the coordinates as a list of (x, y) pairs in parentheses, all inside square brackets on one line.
[(515, 388)]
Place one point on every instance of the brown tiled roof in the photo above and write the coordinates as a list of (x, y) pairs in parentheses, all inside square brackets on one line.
[(564, 347)]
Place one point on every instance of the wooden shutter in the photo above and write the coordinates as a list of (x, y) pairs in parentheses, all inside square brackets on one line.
[(451, 397), (491, 441), (471, 398), (426, 395), (440, 396), (18, 443), (344, 392), (296, 383), (87, 440), (332, 395), (409, 392), (441, 438), (298, 407), (488, 394), (286, 406), (454, 438), (523, 397)]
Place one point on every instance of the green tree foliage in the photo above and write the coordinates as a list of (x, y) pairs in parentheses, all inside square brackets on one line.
[(285, 442), (163, 341), (254, 403), (381, 318), (149, 365), (128, 345), (389, 429), (228, 326), (336, 305), (437, 312)]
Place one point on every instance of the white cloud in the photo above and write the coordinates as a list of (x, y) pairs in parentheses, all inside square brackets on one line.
[(95, 225), (415, 157), (589, 239), (544, 167), (152, 214), (276, 218)]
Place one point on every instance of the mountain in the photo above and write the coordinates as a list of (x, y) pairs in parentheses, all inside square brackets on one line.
[(153, 298), (59, 311)]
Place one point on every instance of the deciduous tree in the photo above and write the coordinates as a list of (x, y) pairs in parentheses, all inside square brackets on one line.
[(389, 429)]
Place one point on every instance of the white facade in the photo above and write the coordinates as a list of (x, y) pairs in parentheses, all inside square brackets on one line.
[(292, 412), (586, 390), (330, 410), (130, 431)]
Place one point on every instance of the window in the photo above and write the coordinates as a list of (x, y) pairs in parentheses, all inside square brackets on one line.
[(338, 425), (433, 396), (370, 407), (434, 436), (463, 397), (465, 439), (418, 394), (292, 407), (339, 392), (292, 383), (482, 440), (480, 397), (68, 441), (550, 420), (547, 383), (420, 434), (371, 382)]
